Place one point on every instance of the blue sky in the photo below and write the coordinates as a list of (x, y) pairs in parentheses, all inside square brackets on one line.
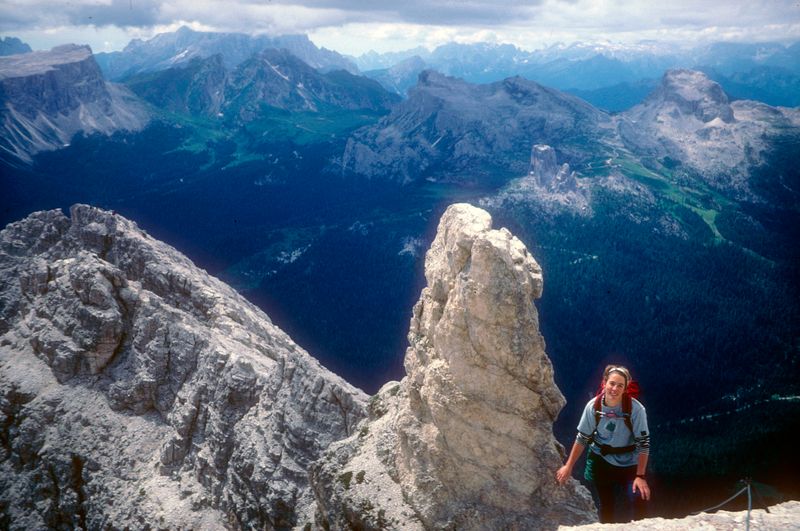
[(357, 26)]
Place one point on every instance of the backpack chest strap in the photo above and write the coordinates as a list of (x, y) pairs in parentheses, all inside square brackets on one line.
[(606, 449)]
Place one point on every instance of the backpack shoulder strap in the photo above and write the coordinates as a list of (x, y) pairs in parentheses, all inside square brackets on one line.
[(627, 410), (598, 409)]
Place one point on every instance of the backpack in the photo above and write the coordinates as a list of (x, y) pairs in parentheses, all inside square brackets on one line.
[(627, 407)]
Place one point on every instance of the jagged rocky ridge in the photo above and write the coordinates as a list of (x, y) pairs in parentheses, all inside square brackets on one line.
[(48, 97), (555, 188), (271, 78), (136, 390)]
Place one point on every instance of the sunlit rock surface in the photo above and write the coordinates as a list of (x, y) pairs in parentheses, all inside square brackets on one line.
[(785, 516), (138, 391)]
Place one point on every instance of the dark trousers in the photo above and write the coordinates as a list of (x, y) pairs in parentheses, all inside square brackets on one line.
[(612, 487)]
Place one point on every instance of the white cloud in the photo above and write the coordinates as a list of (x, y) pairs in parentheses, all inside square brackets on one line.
[(354, 26)]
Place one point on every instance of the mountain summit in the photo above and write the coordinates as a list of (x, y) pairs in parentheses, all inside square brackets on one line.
[(690, 119), (692, 93)]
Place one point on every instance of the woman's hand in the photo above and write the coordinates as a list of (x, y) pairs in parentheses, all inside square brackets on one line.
[(640, 485), (563, 474)]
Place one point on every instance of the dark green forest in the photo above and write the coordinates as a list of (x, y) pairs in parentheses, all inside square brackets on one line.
[(708, 323)]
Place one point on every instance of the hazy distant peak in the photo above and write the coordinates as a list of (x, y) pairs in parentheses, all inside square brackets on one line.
[(13, 46), (281, 54)]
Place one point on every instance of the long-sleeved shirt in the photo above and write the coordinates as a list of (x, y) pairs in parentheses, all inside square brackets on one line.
[(612, 431)]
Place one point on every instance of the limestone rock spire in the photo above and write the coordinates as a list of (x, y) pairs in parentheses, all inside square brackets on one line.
[(465, 441)]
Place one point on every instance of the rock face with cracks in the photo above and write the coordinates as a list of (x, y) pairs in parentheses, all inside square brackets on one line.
[(137, 391), (465, 440)]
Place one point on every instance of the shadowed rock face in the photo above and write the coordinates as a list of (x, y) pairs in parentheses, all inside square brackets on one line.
[(136, 389), (48, 97), (279, 79), (465, 440)]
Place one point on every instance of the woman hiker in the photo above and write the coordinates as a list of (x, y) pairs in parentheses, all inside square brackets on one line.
[(614, 426)]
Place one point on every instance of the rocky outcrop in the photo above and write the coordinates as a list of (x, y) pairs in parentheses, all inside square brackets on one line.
[(694, 94), (48, 97), (549, 189), (547, 174), (465, 440), (783, 516), (137, 391)]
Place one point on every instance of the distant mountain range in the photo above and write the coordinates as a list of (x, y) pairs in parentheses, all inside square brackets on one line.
[(172, 49), (612, 77), (48, 97), (270, 78), (12, 45), (451, 130), (607, 76)]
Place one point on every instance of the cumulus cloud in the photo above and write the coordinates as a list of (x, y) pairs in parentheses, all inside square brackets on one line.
[(250, 17), (352, 22)]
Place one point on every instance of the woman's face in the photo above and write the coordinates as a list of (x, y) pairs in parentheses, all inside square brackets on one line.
[(615, 387)]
